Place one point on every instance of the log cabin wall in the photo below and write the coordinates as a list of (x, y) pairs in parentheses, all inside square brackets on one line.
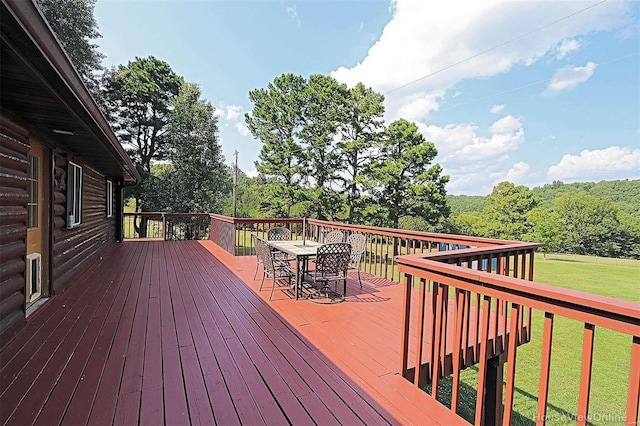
[(13, 226), (75, 248)]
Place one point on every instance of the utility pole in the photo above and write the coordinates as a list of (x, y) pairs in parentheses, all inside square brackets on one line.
[(235, 184)]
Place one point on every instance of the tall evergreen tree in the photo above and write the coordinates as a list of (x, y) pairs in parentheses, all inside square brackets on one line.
[(359, 132), (403, 181), (323, 112), (199, 180), (75, 26), (275, 120), (138, 96)]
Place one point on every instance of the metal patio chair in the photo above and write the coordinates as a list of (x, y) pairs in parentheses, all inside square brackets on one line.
[(279, 233), (334, 237), (358, 246), (272, 266), (331, 264)]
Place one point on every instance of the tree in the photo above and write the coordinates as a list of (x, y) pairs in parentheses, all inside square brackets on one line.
[(323, 112), (592, 224), (138, 97), (360, 131), (248, 196), (400, 180), (505, 215), (73, 23), (275, 120), (547, 228), (199, 180)]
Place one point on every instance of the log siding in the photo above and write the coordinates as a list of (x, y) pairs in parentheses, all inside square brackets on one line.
[(13, 225), (75, 248)]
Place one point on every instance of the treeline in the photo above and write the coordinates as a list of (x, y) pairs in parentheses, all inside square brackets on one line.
[(327, 153), (601, 219)]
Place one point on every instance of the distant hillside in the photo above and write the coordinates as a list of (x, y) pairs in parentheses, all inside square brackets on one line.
[(625, 193), (466, 203)]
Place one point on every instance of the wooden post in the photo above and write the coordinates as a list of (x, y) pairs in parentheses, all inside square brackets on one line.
[(164, 227), (493, 390)]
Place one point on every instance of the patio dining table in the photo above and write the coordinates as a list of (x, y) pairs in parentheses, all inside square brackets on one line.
[(302, 250)]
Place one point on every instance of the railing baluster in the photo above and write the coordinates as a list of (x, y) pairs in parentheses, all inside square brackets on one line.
[(406, 318), (633, 397), (545, 368), (437, 342), (420, 331), (511, 364), (585, 375), (482, 374), (461, 296)]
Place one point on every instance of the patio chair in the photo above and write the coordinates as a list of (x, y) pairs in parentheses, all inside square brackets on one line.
[(279, 233), (255, 239), (272, 266), (331, 264), (358, 246), (334, 237)]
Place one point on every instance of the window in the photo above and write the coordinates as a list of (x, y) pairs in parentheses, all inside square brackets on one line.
[(34, 277), (74, 195), (109, 198), (32, 189)]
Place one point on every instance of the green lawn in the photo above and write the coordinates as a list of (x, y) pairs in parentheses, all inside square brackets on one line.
[(610, 380)]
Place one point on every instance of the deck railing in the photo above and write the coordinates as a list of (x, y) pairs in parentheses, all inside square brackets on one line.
[(167, 226), (480, 288), (504, 294), (383, 244)]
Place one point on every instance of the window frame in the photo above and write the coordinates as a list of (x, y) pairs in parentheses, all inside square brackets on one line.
[(33, 191), (74, 194), (109, 198)]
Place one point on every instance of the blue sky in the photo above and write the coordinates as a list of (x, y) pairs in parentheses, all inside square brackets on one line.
[(561, 103)]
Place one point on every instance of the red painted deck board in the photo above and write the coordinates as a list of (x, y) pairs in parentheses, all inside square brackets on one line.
[(178, 333)]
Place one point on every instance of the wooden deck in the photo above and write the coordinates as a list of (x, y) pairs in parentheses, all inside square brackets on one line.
[(164, 332)]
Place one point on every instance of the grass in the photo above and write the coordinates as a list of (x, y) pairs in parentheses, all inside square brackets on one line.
[(611, 356)]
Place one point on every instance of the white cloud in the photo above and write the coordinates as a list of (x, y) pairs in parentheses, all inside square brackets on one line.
[(472, 159), (419, 106), (251, 173), (517, 174), (612, 162), (568, 78), (218, 112), (497, 109), (233, 112), (459, 144), (567, 46), (424, 37), (506, 124), (241, 128), (292, 13)]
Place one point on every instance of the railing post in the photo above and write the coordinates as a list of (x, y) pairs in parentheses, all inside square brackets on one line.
[(164, 227), (493, 394)]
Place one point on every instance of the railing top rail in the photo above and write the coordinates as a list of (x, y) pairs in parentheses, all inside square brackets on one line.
[(620, 315), (471, 252), (166, 214), (404, 233), (267, 220)]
